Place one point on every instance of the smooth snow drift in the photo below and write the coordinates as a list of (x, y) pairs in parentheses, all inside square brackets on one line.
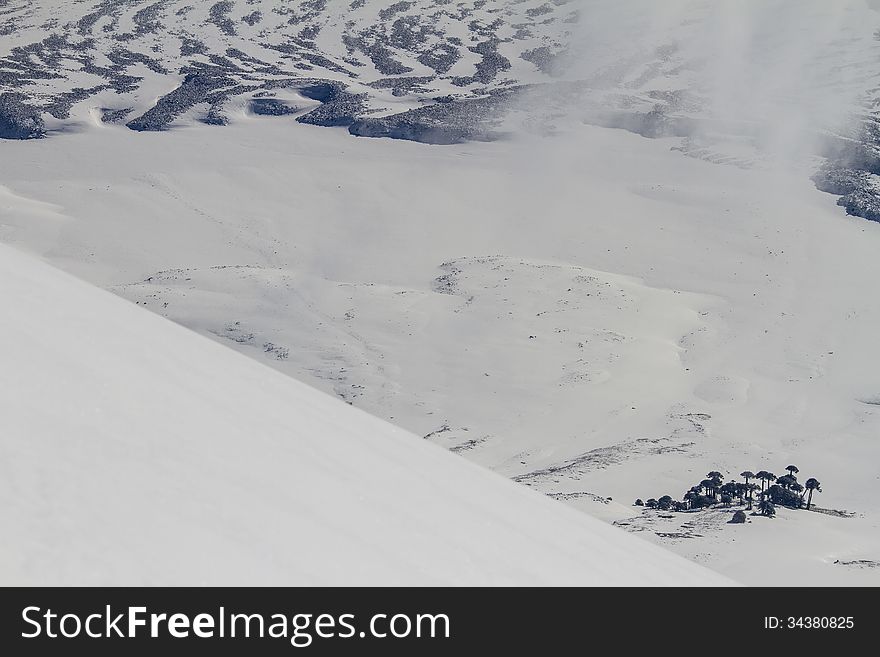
[(137, 452)]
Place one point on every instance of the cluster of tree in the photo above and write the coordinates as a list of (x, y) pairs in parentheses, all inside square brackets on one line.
[(713, 490)]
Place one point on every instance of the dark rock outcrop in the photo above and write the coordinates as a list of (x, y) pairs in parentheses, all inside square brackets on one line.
[(271, 107), (738, 518), (444, 123), (18, 120), (195, 89)]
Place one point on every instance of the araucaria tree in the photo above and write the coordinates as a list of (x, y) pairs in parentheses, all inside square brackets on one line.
[(774, 491), (765, 476), (751, 489), (748, 474), (786, 481), (812, 485), (707, 486), (716, 478), (731, 489), (762, 477)]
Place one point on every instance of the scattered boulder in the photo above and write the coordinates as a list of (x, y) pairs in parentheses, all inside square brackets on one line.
[(738, 518)]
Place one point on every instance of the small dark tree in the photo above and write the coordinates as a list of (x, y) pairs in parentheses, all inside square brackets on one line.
[(792, 470), (707, 501), (726, 499), (651, 503), (740, 491), (767, 507), (697, 500), (812, 485), (665, 503), (639, 502), (751, 490)]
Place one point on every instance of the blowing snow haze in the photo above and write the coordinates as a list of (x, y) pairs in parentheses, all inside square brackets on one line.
[(776, 74), (608, 250)]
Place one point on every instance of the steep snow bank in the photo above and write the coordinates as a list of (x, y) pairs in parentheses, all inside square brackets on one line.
[(137, 452)]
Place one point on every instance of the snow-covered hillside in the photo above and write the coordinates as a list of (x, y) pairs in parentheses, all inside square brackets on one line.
[(136, 452), (598, 315), (151, 65)]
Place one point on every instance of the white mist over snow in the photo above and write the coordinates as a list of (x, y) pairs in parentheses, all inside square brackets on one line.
[(779, 70)]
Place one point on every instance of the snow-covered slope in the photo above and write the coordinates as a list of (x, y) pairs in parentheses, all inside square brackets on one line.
[(696, 334), (136, 452), (594, 314)]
